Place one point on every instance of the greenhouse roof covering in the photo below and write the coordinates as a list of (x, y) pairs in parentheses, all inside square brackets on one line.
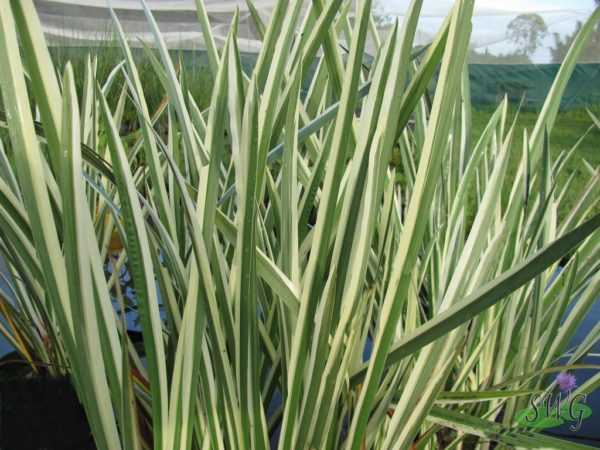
[(84, 22)]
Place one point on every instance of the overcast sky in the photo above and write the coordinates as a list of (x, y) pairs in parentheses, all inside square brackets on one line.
[(492, 17), (536, 5), (507, 5)]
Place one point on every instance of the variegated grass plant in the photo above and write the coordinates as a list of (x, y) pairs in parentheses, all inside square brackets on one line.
[(274, 234)]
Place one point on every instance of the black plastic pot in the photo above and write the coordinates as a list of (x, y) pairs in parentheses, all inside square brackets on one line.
[(42, 413)]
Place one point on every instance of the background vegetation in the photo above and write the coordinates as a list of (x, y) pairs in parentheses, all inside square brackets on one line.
[(572, 125)]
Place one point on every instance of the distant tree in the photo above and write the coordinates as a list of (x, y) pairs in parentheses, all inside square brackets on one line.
[(527, 31), (380, 17), (562, 45), (590, 52)]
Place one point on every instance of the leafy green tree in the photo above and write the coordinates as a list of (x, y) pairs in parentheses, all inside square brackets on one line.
[(381, 18), (527, 31), (590, 53)]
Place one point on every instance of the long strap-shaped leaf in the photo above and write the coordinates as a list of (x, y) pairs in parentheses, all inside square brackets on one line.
[(140, 260), (495, 432), (210, 307), (246, 292), (488, 295), (44, 82), (547, 116), (417, 87), (209, 40), (30, 171), (174, 89), (208, 189), (151, 152), (76, 223), (416, 216), (316, 265)]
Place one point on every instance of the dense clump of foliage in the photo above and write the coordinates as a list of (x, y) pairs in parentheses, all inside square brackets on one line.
[(291, 291)]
